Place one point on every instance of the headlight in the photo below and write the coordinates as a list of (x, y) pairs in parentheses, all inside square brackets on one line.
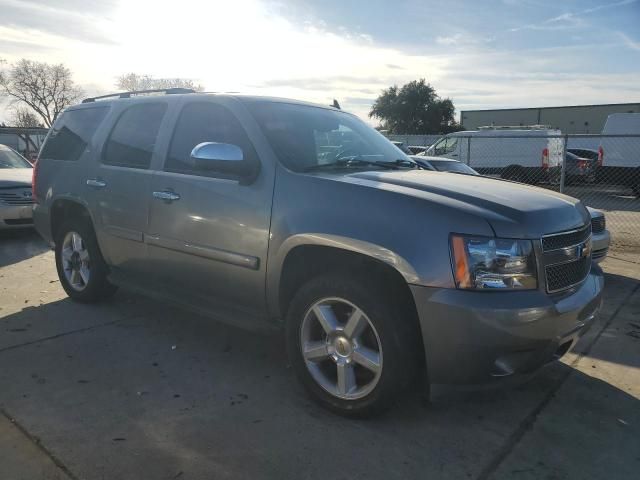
[(493, 263)]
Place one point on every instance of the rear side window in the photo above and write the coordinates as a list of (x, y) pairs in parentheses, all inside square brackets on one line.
[(133, 138), (72, 132), (205, 122)]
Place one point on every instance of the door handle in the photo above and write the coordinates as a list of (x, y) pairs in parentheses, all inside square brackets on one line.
[(95, 183), (166, 196)]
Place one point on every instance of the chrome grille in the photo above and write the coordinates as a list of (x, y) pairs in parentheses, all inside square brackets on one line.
[(16, 196), (567, 258), (598, 224), (565, 239), (565, 275)]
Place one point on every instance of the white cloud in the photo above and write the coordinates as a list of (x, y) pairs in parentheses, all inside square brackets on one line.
[(571, 19), (449, 40), (244, 46), (632, 44)]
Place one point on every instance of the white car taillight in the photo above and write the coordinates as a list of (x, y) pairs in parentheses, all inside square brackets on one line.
[(545, 158)]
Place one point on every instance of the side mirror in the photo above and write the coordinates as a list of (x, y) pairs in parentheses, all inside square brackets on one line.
[(220, 157)]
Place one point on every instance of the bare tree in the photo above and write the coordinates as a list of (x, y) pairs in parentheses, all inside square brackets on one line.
[(25, 118), (46, 88), (135, 81)]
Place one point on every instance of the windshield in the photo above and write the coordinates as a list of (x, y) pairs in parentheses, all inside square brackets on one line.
[(457, 167), (305, 137), (590, 154), (10, 159)]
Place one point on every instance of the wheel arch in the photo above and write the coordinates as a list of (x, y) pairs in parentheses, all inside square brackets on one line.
[(303, 256), (63, 208)]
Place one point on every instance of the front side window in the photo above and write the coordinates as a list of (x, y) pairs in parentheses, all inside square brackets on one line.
[(133, 138), (452, 144), (440, 147), (205, 122), (72, 132), (304, 137), (10, 159)]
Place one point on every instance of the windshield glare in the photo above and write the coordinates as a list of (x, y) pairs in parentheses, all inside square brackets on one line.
[(10, 159), (304, 136)]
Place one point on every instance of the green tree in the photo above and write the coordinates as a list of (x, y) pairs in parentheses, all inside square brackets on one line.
[(414, 108)]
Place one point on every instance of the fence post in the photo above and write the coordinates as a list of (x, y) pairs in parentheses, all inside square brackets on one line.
[(563, 167), (469, 151)]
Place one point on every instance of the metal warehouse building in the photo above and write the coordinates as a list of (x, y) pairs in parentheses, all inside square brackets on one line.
[(570, 119)]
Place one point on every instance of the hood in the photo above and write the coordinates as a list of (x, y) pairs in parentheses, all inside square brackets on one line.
[(512, 209), (15, 177)]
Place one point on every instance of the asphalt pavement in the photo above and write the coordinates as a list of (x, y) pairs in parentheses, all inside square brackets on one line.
[(134, 389)]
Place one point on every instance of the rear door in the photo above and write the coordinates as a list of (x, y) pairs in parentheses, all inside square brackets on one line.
[(208, 242), (119, 184)]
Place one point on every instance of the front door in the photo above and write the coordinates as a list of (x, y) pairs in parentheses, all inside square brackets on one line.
[(208, 233), (120, 182)]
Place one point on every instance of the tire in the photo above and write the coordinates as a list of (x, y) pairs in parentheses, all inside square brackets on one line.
[(386, 322), (76, 249)]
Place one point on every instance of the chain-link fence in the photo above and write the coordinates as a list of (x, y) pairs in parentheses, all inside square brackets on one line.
[(601, 170)]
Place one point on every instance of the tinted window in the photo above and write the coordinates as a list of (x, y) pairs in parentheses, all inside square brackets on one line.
[(133, 139), (205, 122), (10, 159), (304, 137), (590, 154), (72, 132)]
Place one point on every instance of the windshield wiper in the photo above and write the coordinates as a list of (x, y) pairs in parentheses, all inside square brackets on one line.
[(349, 162)]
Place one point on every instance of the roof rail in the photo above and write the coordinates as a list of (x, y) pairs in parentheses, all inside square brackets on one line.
[(167, 91), (515, 127)]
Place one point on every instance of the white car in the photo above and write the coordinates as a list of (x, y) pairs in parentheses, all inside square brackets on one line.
[(15, 190), (619, 157), (524, 154)]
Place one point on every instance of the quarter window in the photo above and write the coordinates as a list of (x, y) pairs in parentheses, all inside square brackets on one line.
[(205, 122), (133, 138), (72, 132)]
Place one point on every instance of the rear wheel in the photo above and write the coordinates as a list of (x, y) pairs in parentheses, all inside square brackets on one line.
[(81, 268), (352, 348)]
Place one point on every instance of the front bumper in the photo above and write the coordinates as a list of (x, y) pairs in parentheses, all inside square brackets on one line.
[(600, 245), (474, 337), (15, 216)]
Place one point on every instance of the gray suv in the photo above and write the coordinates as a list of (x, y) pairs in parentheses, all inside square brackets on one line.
[(276, 214)]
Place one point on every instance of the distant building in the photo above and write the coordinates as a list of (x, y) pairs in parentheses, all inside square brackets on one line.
[(570, 119)]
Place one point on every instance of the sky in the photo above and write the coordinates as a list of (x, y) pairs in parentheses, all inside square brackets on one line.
[(481, 54)]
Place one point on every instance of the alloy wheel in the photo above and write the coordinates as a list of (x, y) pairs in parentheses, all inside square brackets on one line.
[(341, 348), (75, 261)]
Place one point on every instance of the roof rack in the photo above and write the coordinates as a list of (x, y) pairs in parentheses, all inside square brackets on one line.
[(515, 127), (167, 91)]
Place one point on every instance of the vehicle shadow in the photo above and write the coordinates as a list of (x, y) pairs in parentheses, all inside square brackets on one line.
[(150, 391), (18, 245)]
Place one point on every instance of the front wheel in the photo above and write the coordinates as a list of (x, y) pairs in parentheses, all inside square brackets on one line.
[(352, 348), (81, 268)]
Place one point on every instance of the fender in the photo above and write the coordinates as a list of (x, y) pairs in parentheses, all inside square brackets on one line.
[(377, 252)]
